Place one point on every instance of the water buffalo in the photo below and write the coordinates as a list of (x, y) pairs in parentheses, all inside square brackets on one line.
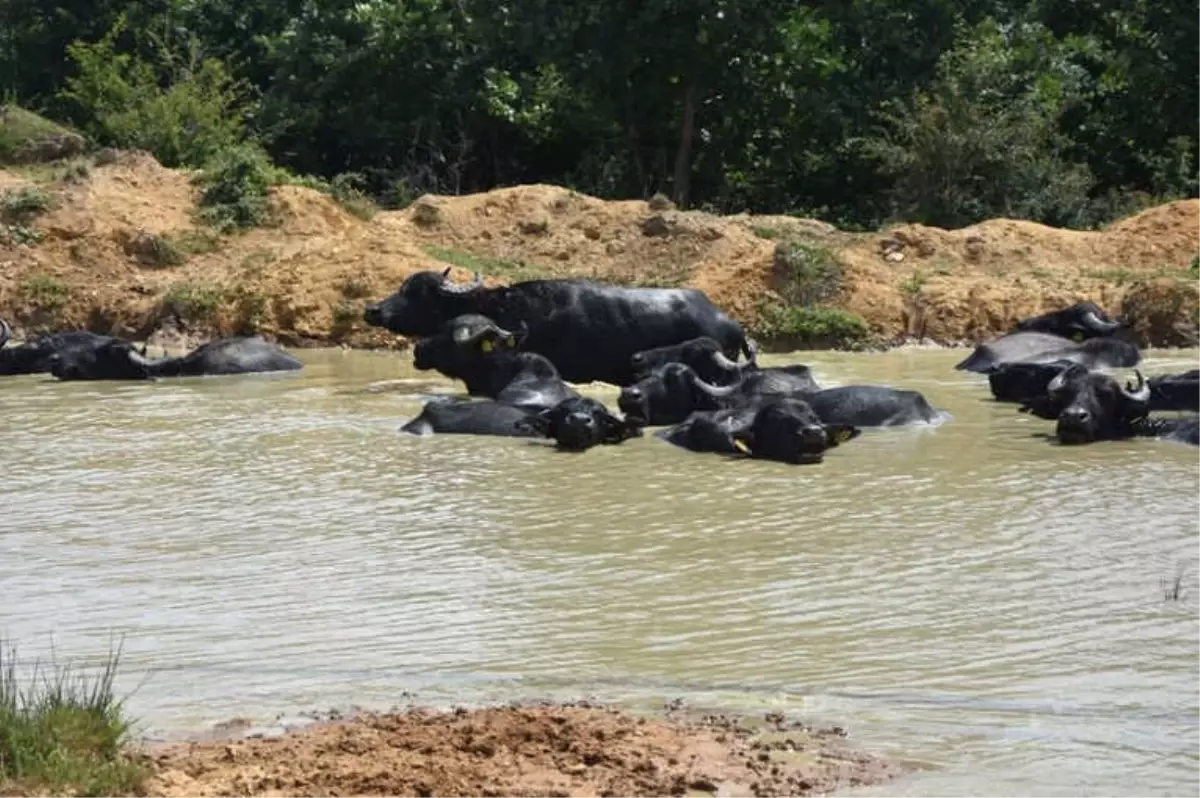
[(472, 348), (34, 356), (871, 406), (1180, 430), (1079, 322), (780, 428), (1175, 391), (1039, 347), (675, 391), (456, 415), (705, 357), (579, 423), (672, 393), (119, 360), (1019, 382), (589, 331), (1091, 406)]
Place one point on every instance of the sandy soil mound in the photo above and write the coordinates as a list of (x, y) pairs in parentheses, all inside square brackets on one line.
[(102, 262), (564, 750)]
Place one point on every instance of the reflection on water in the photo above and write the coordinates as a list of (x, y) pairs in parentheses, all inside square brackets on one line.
[(970, 597)]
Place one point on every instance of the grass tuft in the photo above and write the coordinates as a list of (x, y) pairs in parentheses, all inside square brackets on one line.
[(62, 730)]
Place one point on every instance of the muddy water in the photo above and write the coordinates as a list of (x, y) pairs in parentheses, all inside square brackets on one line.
[(971, 598)]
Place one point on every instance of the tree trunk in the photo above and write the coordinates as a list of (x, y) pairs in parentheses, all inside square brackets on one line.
[(683, 155)]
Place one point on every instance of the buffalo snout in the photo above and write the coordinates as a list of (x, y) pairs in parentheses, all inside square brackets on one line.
[(1075, 425), (373, 315)]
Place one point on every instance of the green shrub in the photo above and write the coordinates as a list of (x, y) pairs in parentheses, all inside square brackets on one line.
[(198, 114), (62, 732), (812, 325), (235, 189), (193, 302), (806, 274), (345, 189), (23, 204), (26, 137), (46, 291)]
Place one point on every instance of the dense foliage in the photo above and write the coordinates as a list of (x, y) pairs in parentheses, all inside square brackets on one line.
[(856, 111)]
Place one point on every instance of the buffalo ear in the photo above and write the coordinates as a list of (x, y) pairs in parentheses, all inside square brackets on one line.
[(840, 433), (446, 272)]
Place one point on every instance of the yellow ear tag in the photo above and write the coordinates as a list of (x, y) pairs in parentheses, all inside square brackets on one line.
[(1077, 337), (510, 343), (741, 446), (486, 346), (842, 435)]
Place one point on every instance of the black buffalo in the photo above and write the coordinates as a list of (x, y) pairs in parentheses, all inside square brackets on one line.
[(119, 360), (705, 357), (1175, 391), (589, 331), (1021, 382), (472, 348), (579, 423), (459, 416), (675, 391), (1079, 322), (780, 428), (1040, 347), (1180, 430), (36, 355), (871, 406), (672, 393), (1091, 406)]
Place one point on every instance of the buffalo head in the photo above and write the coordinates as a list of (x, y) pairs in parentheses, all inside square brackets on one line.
[(1091, 406), (579, 423), (112, 360), (1080, 321), (671, 393), (787, 430), (424, 302), (704, 355)]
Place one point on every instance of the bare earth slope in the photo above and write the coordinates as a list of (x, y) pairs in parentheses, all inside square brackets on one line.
[(306, 280)]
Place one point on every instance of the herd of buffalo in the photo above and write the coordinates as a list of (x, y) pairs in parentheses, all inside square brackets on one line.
[(681, 364)]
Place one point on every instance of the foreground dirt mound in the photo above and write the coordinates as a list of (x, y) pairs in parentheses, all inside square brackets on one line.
[(120, 251), (565, 750)]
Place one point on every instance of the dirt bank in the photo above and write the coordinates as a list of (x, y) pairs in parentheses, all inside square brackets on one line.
[(532, 750), (119, 251)]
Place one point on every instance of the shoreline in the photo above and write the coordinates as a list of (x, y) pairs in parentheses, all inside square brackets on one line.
[(520, 747)]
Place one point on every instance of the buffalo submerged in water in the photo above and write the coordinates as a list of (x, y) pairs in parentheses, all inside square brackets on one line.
[(36, 355), (588, 330), (1080, 334), (120, 360)]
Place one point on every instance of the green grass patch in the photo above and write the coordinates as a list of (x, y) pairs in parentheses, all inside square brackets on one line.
[(806, 274), (62, 731), (511, 270), (27, 137), (913, 284), (1194, 269), (802, 326), (193, 302), (46, 291), (24, 204), (765, 232), (196, 241)]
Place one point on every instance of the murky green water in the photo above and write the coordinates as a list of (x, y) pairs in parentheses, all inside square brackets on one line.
[(971, 598)]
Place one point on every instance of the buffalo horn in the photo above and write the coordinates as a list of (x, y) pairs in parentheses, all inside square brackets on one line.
[(1094, 322), (5, 332), (723, 362), (464, 336), (476, 283), (715, 391), (1140, 394)]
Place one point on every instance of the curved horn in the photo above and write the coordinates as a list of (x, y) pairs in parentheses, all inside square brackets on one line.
[(476, 283), (1059, 382), (464, 336), (138, 357), (1094, 322), (5, 332), (723, 362), (1140, 394), (715, 391)]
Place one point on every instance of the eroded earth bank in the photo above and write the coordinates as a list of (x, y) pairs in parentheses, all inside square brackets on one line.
[(116, 247)]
